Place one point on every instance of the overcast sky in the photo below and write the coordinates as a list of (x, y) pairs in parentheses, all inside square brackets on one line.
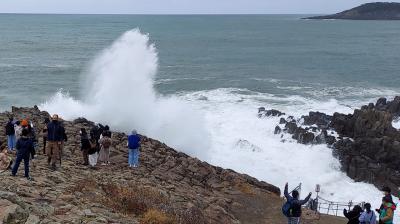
[(178, 6)]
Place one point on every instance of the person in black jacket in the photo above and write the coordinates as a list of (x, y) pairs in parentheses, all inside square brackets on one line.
[(295, 205), (10, 132), (24, 149), (55, 136), (353, 215)]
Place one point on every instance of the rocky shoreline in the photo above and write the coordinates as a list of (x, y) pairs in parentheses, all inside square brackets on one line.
[(365, 142), (169, 185)]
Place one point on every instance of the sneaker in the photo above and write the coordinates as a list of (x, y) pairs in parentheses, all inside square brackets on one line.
[(29, 178), (13, 175)]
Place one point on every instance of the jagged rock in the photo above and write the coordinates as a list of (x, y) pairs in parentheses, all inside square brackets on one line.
[(82, 120), (291, 127), (278, 130), (12, 213), (166, 180), (368, 145), (317, 118), (269, 113)]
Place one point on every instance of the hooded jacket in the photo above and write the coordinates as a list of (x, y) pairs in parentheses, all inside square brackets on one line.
[(24, 146)]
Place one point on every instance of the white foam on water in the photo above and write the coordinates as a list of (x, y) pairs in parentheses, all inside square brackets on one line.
[(220, 126), (118, 90), (243, 142)]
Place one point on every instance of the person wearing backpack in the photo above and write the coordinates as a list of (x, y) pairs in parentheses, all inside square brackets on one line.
[(387, 211), (368, 216), (10, 132), (104, 155), (292, 208), (133, 147)]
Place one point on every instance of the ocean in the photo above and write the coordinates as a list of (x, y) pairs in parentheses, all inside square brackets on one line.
[(195, 82)]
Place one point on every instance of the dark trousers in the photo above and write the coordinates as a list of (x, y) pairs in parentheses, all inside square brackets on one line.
[(21, 157), (85, 155), (44, 145)]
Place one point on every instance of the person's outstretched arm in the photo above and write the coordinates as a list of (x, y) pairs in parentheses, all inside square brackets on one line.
[(306, 199), (286, 193)]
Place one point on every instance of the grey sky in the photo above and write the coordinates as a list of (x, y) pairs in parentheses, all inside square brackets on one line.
[(177, 6)]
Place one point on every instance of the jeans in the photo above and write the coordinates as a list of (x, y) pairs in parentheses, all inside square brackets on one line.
[(21, 157), (133, 157), (294, 220), (11, 140)]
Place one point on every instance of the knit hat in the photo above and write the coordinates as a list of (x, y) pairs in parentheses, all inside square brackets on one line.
[(24, 123)]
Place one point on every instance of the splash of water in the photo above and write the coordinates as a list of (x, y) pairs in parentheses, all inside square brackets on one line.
[(118, 90)]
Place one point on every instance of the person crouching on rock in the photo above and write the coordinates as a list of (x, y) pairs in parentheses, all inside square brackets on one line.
[(353, 215), (24, 149), (294, 212), (93, 151), (387, 210), (85, 146), (133, 147), (5, 160), (54, 138)]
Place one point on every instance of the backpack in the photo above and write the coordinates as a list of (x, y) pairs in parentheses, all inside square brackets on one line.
[(287, 208), (106, 142)]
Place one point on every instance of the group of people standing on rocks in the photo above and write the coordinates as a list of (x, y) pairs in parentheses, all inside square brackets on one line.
[(292, 209), (365, 215), (95, 146)]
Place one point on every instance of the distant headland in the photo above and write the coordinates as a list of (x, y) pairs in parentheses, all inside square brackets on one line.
[(369, 11)]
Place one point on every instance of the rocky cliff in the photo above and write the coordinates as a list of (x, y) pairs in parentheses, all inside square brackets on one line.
[(365, 142), (369, 11), (169, 187)]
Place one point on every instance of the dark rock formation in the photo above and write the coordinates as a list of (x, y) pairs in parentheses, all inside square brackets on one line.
[(275, 113), (182, 187), (368, 146), (369, 11)]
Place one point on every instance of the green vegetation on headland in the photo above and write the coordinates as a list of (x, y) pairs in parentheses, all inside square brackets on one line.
[(369, 11)]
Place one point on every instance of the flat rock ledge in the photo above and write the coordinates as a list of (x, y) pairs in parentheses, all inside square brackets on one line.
[(169, 186)]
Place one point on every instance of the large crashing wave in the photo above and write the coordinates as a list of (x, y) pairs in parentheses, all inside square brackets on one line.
[(118, 90)]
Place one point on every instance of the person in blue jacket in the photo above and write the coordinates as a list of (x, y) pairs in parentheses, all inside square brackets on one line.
[(133, 146), (24, 148), (295, 205)]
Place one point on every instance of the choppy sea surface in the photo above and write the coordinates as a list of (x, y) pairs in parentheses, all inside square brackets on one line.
[(195, 82)]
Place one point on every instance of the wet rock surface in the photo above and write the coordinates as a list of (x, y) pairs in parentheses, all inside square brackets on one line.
[(184, 188), (365, 142)]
